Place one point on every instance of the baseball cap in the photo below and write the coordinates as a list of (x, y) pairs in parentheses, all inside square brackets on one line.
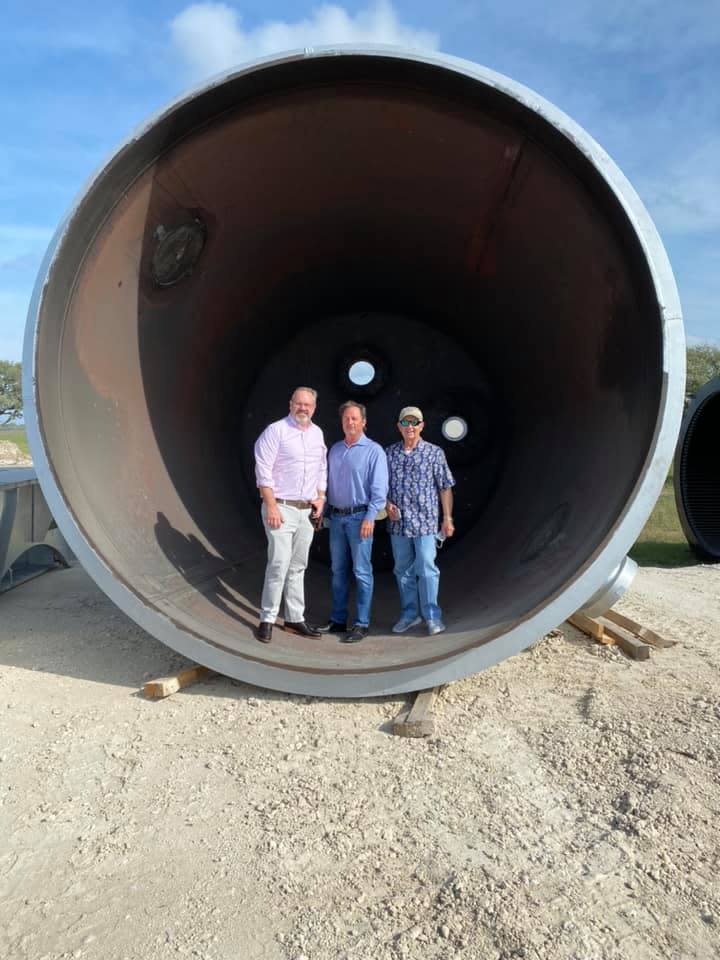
[(411, 412)]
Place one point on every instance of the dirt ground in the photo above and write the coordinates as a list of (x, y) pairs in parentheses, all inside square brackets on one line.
[(567, 807)]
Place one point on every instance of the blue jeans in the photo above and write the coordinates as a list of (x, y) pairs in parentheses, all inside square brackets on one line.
[(349, 553), (417, 575)]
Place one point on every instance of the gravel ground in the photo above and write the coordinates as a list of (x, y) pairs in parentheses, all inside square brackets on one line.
[(12, 456), (567, 807)]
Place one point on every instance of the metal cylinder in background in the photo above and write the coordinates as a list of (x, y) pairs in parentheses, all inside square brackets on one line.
[(274, 227), (696, 474)]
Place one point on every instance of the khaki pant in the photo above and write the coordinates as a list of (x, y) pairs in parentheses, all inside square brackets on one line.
[(288, 550)]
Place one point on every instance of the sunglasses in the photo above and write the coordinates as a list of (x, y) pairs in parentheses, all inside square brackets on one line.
[(410, 423)]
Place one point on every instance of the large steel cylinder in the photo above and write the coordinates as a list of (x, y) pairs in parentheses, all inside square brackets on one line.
[(696, 475), (289, 219)]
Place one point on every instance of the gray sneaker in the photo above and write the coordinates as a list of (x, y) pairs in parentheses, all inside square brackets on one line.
[(435, 626), (403, 624)]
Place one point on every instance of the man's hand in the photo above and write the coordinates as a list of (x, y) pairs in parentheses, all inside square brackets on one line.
[(274, 517), (366, 529), (318, 506), (393, 511), (448, 527)]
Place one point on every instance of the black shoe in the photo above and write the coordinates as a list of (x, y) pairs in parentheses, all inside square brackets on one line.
[(356, 635), (264, 632), (302, 629), (332, 626)]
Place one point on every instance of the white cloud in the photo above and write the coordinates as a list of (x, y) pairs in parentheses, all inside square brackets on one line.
[(210, 37)]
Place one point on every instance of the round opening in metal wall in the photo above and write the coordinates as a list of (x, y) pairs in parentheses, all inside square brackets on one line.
[(454, 428), (361, 373)]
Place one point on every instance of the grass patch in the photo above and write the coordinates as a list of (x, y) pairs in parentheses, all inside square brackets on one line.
[(654, 553), (662, 542), (16, 435)]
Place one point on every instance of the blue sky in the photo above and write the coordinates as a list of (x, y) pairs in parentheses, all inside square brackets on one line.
[(642, 76)]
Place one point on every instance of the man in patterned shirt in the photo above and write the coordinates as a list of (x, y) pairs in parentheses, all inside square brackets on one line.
[(420, 480)]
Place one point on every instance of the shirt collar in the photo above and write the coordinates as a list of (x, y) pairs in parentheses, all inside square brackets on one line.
[(418, 445), (363, 439)]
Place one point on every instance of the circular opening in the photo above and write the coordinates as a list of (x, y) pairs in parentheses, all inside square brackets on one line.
[(454, 428), (361, 373), (699, 473), (425, 301)]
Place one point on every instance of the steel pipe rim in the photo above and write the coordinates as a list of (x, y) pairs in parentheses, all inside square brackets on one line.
[(585, 584)]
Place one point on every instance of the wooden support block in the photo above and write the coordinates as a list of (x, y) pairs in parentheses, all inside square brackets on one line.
[(644, 633), (164, 686), (418, 720), (591, 627), (606, 631), (628, 643)]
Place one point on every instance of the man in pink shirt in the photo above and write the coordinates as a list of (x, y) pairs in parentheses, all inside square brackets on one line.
[(291, 474)]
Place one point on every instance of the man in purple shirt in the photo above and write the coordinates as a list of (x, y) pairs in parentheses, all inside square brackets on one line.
[(291, 474), (357, 490)]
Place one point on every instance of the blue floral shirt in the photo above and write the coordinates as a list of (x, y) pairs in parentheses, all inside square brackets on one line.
[(416, 478)]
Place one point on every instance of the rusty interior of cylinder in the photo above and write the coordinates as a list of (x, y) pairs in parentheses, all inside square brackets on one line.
[(274, 231)]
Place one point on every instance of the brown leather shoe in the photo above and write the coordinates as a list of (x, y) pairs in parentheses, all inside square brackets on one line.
[(302, 629), (264, 632)]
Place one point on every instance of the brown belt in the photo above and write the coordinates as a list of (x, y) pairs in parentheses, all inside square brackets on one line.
[(300, 504)]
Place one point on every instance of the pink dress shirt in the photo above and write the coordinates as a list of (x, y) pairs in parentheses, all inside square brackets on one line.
[(291, 461)]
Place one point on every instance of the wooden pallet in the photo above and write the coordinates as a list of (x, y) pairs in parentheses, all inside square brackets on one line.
[(615, 629)]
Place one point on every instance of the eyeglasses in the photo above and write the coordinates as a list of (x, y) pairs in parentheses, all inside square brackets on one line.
[(410, 423)]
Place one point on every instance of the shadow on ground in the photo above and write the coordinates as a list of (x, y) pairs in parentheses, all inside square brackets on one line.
[(61, 623)]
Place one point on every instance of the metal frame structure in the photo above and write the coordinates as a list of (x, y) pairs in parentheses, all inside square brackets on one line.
[(30, 542)]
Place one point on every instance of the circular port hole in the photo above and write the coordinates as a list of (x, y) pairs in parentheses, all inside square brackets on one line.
[(454, 428), (361, 373)]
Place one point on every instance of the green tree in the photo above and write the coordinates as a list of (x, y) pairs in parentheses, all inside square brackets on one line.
[(10, 391), (703, 363)]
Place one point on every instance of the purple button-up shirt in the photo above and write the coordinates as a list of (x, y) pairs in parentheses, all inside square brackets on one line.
[(291, 461)]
